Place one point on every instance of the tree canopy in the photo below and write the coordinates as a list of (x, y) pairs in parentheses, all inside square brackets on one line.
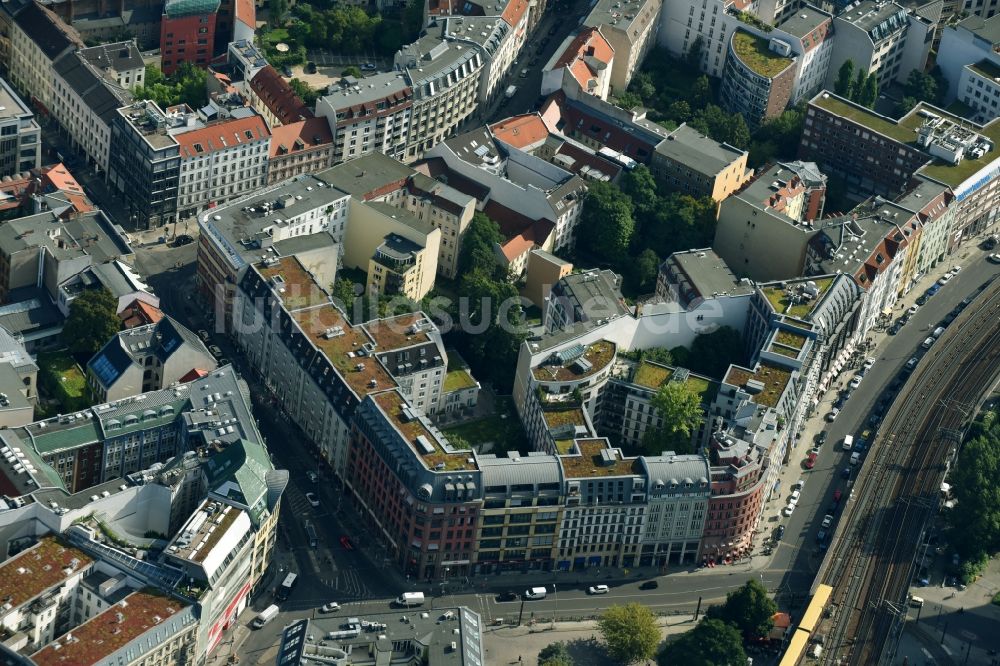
[(555, 654), (845, 79), (749, 609), (681, 411), (606, 223), (630, 632), (477, 252), (712, 353), (710, 643), (93, 320), (186, 85), (778, 138), (975, 481), (306, 92)]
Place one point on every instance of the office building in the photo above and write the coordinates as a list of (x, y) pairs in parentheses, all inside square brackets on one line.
[(631, 29), (37, 39), (970, 61), (369, 116), (21, 142), (187, 33), (301, 147), (690, 162)]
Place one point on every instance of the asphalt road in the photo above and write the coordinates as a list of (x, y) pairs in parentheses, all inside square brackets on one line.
[(798, 550)]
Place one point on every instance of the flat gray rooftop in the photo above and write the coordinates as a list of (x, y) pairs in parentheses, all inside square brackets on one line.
[(804, 21), (708, 273), (687, 145), (365, 174)]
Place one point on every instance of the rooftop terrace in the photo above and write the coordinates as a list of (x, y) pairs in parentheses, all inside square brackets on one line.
[(343, 344), (392, 405), (756, 55), (653, 376), (783, 303), (590, 463), (110, 631), (774, 379), (596, 357), (296, 287), (399, 332), (32, 572)]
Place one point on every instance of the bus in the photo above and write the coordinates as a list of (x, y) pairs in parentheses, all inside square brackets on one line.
[(286, 587), (311, 535)]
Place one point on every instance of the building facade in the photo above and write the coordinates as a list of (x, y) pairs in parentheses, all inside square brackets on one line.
[(187, 33), (20, 135)]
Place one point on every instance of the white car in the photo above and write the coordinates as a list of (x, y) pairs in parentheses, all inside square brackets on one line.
[(330, 607), (856, 382), (869, 362), (313, 500), (598, 589), (955, 269), (944, 279), (913, 310), (993, 258), (787, 511), (827, 520), (312, 476), (832, 415)]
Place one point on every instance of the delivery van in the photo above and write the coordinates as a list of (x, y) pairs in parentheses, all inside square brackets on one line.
[(410, 599)]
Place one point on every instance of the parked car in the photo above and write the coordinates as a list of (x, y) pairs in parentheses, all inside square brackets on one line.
[(922, 299), (993, 258), (794, 499), (215, 351), (787, 511), (913, 310), (856, 382), (943, 280), (204, 335), (820, 536), (507, 596), (779, 532), (833, 414), (894, 329), (368, 67), (649, 585), (869, 362), (330, 607), (827, 520), (312, 499), (956, 269), (312, 476), (810, 460), (821, 438), (598, 589), (310, 67), (837, 494)]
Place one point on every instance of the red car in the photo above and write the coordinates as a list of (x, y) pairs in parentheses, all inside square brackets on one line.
[(346, 543), (810, 462), (837, 494)]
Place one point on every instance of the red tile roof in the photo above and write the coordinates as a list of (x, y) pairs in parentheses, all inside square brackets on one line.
[(300, 135), (140, 313), (520, 131), (222, 135), (246, 13), (515, 11), (275, 93), (110, 631), (590, 42), (193, 374)]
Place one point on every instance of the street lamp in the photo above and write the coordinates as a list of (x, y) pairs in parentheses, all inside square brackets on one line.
[(555, 605)]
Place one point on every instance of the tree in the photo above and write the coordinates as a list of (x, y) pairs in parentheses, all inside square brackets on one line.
[(478, 243), (93, 320), (186, 85), (630, 632), (660, 355), (640, 185), (749, 609), (628, 100), (606, 223), (413, 20), (905, 105), (695, 52), (679, 111), (701, 93), (353, 70), (710, 643), (859, 85), (712, 353), (976, 484), (644, 270), (869, 93), (306, 92), (778, 138), (845, 78), (555, 654), (679, 407), (642, 85), (722, 126), (277, 9), (922, 87)]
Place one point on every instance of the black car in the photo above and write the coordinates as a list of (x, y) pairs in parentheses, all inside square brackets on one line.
[(832, 509), (846, 473), (779, 532), (649, 585), (507, 596), (310, 67), (922, 298), (893, 330), (821, 438)]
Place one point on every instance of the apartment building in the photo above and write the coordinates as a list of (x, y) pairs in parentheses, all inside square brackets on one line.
[(774, 216), (246, 60), (970, 62), (38, 38), (86, 99), (187, 33), (147, 358), (713, 21), (586, 59), (21, 145), (934, 204), (885, 40), (270, 95), (221, 161), (631, 28), (690, 162), (428, 209), (43, 252), (759, 76), (369, 116), (445, 77), (521, 512), (536, 203), (298, 148), (144, 628), (879, 155), (119, 62), (435, 537), (287, 316), (144, 162), (677, 498), (302, 217)]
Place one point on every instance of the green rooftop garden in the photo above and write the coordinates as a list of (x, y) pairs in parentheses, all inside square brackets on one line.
[(784, 351), (502, 430), (756, 55), (62, 379), (789, 339), (865, 117), (651, 375), (457, 380), (779, 300)]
